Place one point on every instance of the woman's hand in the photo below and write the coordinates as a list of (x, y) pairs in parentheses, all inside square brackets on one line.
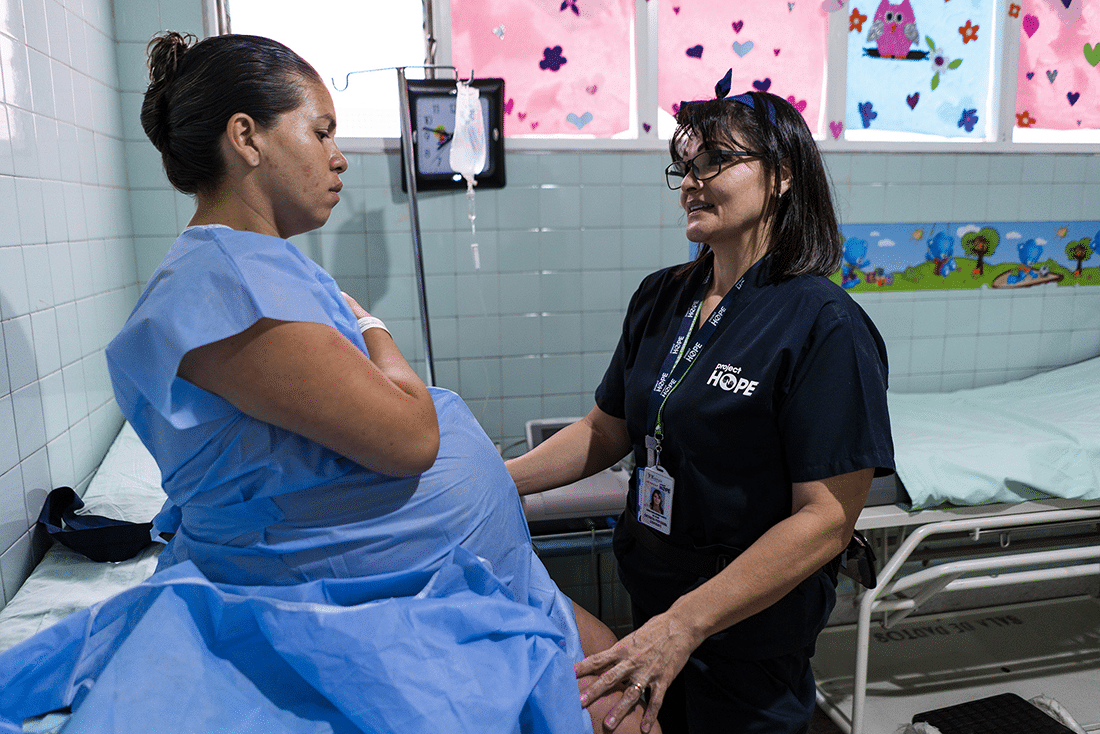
[(650, 657), (356, 309)]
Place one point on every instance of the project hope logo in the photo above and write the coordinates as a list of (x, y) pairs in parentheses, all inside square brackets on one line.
[(729, 379)]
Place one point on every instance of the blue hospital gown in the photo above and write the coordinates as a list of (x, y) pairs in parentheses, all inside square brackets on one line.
[(301, 591)]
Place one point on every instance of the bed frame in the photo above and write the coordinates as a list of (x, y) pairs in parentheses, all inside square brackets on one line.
[(902, 592)]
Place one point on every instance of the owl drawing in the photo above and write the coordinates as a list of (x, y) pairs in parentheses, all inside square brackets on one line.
[(894, 29)]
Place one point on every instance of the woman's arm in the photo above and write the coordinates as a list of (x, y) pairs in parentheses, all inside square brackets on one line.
[(823, 516), (592, 444), (310, 379)]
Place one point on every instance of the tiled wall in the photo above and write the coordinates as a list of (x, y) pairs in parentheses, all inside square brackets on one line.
[(67, 270), (563, 246), (85, 215)]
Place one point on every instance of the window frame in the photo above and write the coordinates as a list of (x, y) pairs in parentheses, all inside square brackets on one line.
[(1006, 55)]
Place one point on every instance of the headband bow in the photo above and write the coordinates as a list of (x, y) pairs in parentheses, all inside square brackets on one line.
[(722, 88)]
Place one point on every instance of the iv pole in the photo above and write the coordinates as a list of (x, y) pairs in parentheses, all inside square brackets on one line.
[(414, 209), (414, 223)]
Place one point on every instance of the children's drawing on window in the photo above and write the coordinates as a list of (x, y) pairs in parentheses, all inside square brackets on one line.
[(777, 47), (920, 66), (1058, 79), (566, 64)]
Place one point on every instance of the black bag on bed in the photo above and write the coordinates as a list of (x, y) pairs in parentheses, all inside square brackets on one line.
[(97, 537), (857, 562)]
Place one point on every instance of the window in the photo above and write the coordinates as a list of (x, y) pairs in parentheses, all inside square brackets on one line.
[(567, 64), (347, 38), (611, 73), (915, 67), (1058, 74), (777, 47)]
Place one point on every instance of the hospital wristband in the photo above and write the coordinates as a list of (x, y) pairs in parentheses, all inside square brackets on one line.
[(372, 322)]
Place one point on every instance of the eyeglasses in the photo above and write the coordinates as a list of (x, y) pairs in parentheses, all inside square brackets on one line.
[(704, 166)]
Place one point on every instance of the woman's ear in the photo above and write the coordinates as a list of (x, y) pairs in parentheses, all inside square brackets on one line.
[(784, 175), (240, 137)]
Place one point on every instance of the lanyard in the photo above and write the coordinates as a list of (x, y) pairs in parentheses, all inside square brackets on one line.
[(680, 359)]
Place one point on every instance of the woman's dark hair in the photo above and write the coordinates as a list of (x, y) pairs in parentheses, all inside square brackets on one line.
[(804, 235), (194, 88)]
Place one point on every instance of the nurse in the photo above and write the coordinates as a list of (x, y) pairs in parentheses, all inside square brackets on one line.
[(751, 391)]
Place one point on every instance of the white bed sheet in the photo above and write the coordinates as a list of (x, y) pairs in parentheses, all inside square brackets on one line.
[(127, 487), (1030, 439)]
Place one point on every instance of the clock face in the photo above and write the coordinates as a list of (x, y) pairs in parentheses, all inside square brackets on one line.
[(434, 121)]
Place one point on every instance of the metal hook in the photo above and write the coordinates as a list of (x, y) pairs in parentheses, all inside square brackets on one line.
[(347, 77)]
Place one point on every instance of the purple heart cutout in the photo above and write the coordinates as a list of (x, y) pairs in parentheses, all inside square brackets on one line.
[(1073, 97), (762, 86), (695, 52), (912, 99)]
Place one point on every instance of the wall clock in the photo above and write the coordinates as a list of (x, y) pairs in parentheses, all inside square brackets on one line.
[(432, 114)]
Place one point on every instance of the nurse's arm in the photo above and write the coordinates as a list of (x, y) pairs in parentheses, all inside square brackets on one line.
[(590, 445), (824, 513), (310, 379)]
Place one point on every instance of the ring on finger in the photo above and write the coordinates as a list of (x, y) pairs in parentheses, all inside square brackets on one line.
[(640, 688)]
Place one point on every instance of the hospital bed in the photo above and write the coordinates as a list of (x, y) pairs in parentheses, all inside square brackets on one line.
[(997, 493), (126, 486)]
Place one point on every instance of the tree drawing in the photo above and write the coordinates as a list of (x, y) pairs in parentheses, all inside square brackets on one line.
[(1079, 251), (980, 244)]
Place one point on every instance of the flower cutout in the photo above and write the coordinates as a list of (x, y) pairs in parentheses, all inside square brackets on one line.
[(968, 120), (856, 20), (1014, 10), (969, 32), (552, 59), (941, 62), (1024, 119)]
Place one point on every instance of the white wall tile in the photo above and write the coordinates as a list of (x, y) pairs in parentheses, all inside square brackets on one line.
[(19, 344), (41, 77), (30, 431), (13, 515), (9, 450), (55, 416), (11, 19), (32, 213), (15, 565), (59, 452), (7, 158), (58, 31), (9, 216), (5, 385), (46, 348), (23, 147), (34, 24)]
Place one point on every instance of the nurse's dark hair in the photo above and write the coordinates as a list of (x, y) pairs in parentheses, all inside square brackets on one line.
[(804, 235), (194, 88)]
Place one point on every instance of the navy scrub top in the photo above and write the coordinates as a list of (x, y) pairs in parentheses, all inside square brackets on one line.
[(790, 388)]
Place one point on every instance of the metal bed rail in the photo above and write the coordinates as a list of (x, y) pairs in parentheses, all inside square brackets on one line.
[(948, 577)]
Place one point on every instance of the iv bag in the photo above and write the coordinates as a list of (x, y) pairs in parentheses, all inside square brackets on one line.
[(468, 146)]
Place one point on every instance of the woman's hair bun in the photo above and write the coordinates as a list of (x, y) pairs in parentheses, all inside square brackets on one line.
[(165, 52)]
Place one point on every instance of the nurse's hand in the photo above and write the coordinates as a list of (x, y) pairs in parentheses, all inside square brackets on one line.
[(650, 657)]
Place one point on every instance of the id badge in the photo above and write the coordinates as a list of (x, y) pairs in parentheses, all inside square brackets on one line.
[(655, 486)]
